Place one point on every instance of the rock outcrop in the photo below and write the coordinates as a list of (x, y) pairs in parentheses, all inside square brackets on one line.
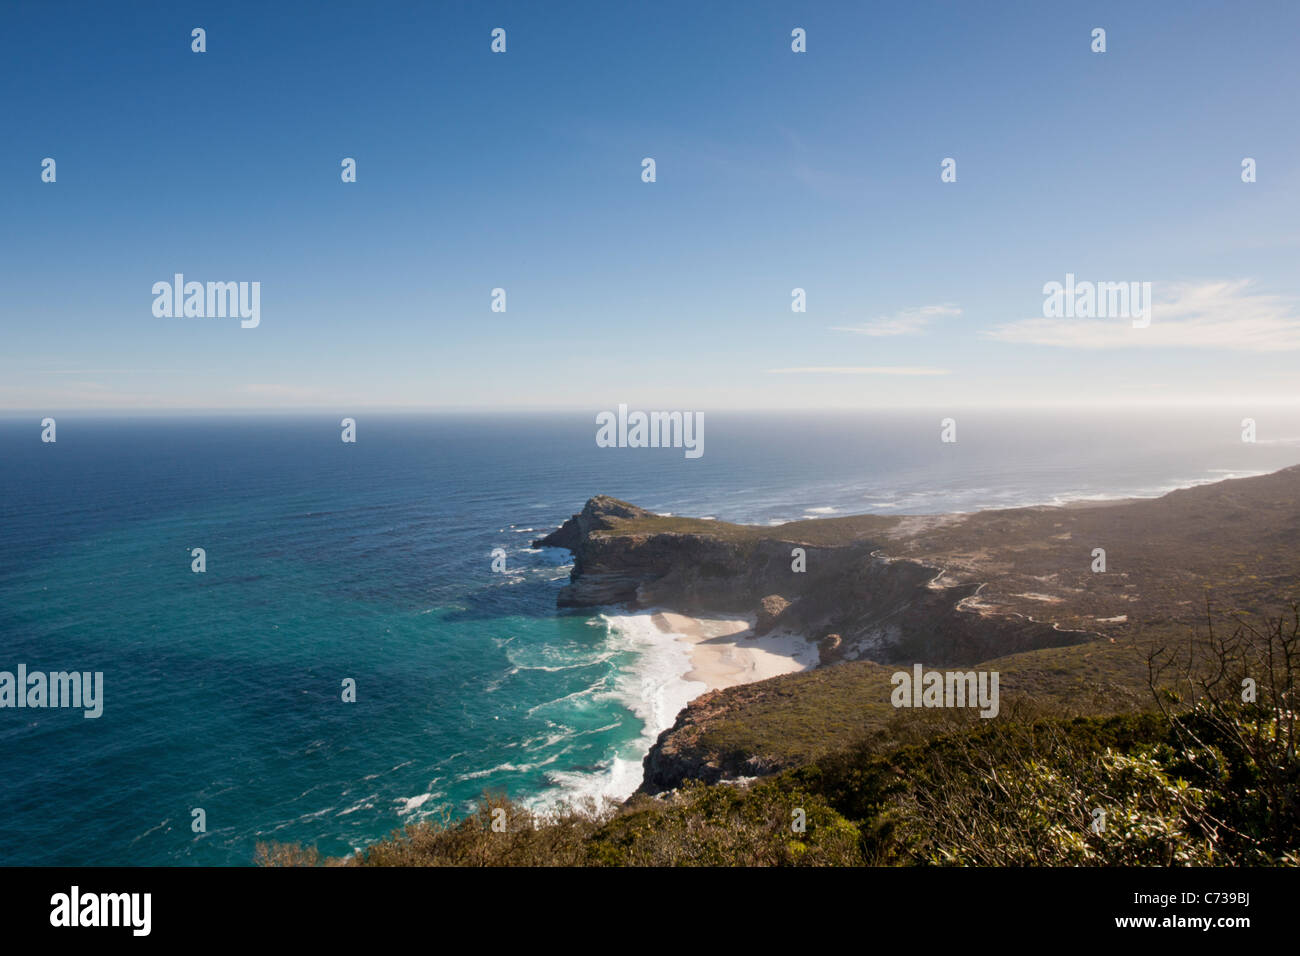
[(829, 649), (770, 610)]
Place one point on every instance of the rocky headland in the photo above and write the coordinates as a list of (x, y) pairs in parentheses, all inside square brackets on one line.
[(1022, 586)]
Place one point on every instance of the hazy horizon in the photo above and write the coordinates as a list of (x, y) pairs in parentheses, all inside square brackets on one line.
[(236, 411)]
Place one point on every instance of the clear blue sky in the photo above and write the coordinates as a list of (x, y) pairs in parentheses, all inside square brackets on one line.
[(523, 171)]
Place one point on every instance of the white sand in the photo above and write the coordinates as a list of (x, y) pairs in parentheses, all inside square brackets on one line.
[(725, 653)]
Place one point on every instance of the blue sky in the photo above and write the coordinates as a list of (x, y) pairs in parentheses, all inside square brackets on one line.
[(522, 170)]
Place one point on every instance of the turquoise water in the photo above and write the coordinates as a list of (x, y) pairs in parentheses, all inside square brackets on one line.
[(372, 561)]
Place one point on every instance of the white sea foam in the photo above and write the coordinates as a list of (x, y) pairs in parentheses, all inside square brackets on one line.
[(654, 687), (549, 658), (1151, 491), (563, 735), (571, 700), (508, 768), (411, 804), (366, 804)]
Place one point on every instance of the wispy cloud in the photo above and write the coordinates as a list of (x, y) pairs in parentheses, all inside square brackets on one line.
[(906, 322), (860, 370), (1218, 314)]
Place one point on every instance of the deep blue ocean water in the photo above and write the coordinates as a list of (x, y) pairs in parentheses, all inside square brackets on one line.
[(372, 561)]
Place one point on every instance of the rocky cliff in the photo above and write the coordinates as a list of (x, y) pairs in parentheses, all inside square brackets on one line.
[(1022, 586), (840, 589)]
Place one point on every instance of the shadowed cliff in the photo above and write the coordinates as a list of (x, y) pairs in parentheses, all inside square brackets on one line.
[(816, 578)]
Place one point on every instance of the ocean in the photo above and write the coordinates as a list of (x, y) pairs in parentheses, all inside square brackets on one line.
[(328, 561)]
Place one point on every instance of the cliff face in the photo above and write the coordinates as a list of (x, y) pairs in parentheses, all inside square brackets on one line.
[(677, 756), (881, 608)]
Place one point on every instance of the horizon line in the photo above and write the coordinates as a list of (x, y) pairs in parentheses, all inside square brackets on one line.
[(345, 408)]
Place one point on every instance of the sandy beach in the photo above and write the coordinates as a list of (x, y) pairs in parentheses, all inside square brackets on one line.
[(725, 653), (678, 658)]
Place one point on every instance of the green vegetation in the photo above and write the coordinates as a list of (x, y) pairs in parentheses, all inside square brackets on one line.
[(819, 532), (788, 721)]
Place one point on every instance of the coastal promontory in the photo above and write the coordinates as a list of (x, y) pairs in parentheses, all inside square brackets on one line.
[(1062, 599)]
